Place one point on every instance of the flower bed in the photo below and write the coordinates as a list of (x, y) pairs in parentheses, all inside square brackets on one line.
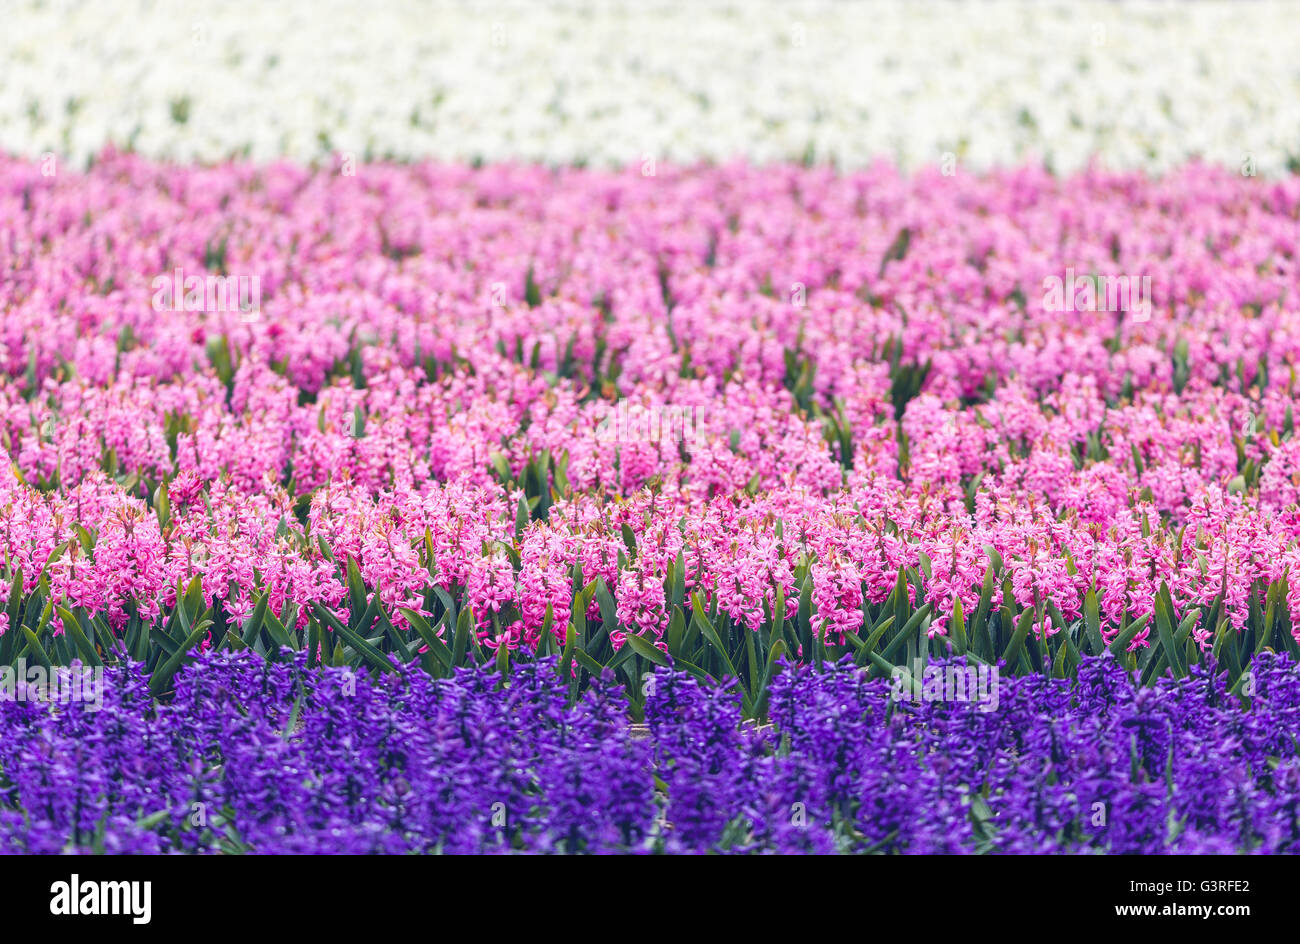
[(265, 757), (981, 84), (677, 428), (714, 417)]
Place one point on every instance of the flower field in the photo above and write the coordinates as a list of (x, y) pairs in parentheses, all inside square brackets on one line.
[(1144, 84), (885, 480), (727, 414), (411, 764)]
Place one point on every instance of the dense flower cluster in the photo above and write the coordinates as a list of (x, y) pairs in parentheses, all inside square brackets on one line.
[(480, 384), (982, 84), (256, 756), (759, 427)]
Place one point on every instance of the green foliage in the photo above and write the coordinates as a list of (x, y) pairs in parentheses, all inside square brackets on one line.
[(892, 639)]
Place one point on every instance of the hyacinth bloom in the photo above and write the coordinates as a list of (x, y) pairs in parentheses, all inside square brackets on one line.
[(1144, 85), (430, 432), (255, 756), (434, 395)]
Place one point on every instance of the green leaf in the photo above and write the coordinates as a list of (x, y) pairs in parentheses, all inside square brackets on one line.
[(162, 676), (676, 632), (1092, 621), (706, 627), (1119, 645), (277, 631), (587, 662), (1165, 630), (356, 589), (426, 633), (646, 650), (773, 655), (870, 643), (980, 636), (957, 626), (362, 647), (778, 613), (891, 671), (1185, 627), (72, 626), (566, 657), (1011, 655), (37, 650), (908, 632), (15, 599), (608, 610), (294, 714), (521, 521), (464, 636), (253, 626), (502, 466), (546, 638)]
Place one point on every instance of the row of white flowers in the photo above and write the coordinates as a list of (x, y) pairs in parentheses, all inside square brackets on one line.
[(961, 85)]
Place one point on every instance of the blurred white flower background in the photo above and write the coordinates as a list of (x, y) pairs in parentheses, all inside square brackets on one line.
[(1129, 84)]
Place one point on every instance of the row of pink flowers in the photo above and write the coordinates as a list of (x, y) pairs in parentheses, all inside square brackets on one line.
[(424, 327)]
